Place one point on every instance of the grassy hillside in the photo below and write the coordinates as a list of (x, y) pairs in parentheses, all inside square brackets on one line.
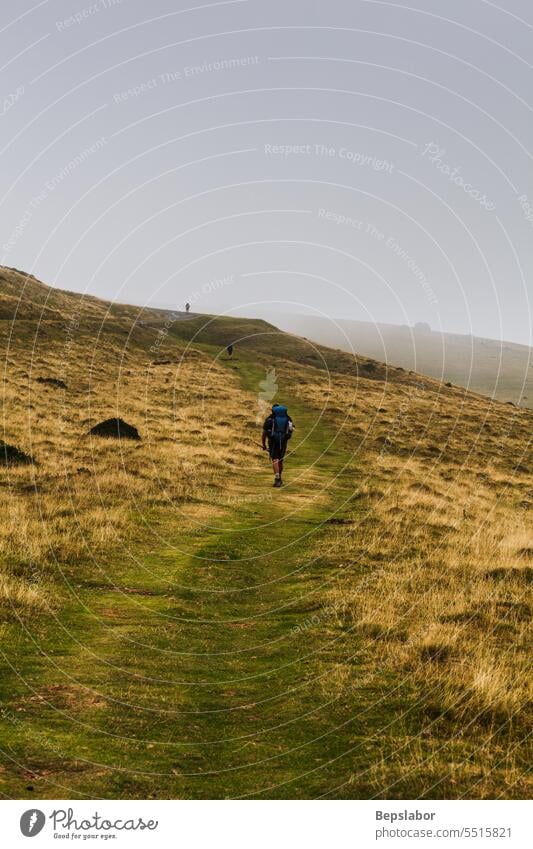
[(500, 370), (174, 627)]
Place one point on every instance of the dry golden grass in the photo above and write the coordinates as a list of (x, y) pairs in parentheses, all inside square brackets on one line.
[(20, 597), (434, 576), (444, 599), (86, 496)]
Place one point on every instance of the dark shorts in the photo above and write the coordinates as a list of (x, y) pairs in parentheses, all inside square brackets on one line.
[(277, 448)]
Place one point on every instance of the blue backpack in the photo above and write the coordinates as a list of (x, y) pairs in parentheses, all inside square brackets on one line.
[(280, 422)]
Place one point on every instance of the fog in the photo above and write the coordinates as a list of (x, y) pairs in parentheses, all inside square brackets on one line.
[(357, 160)]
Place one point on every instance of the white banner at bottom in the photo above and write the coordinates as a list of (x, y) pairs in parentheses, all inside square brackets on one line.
[(267, 824)]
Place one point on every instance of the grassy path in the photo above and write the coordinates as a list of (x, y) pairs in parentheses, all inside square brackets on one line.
[(212, 673)]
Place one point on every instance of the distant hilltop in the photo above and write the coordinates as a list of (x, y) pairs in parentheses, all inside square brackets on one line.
[(501, 370)]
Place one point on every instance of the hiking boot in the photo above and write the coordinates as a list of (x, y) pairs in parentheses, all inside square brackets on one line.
[(277, 482)]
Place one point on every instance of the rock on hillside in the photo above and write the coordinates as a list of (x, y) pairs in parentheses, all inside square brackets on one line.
[(116, 429), (10, 455)]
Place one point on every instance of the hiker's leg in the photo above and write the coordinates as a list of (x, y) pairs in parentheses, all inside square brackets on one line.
[(277, 475), (280, 466)]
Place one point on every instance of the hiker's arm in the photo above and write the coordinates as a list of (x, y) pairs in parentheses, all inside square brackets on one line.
[(265, 434)]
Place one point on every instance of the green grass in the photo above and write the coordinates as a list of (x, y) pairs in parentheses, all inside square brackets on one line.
[(208, 677), (250, 656)]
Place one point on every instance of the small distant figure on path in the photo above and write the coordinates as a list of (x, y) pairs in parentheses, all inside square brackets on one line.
[(229, 349), (187, 307)]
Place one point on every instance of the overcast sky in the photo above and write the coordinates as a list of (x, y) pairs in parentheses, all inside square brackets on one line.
[(355, 158)]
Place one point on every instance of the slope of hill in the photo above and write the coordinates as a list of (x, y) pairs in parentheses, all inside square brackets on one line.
[(502, 370), (173, 627)]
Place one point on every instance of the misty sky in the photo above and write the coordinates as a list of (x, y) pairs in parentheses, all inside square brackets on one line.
[(352, 158)]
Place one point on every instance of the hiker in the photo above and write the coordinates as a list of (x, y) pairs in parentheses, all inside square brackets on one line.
[(277, 429), (229, 349), (187, 307)]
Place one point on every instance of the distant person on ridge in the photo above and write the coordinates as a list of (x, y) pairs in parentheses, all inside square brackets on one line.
[(187, 307), (229, 349), (277, 429)]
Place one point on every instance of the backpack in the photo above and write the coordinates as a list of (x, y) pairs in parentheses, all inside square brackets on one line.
[(280, 422)]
